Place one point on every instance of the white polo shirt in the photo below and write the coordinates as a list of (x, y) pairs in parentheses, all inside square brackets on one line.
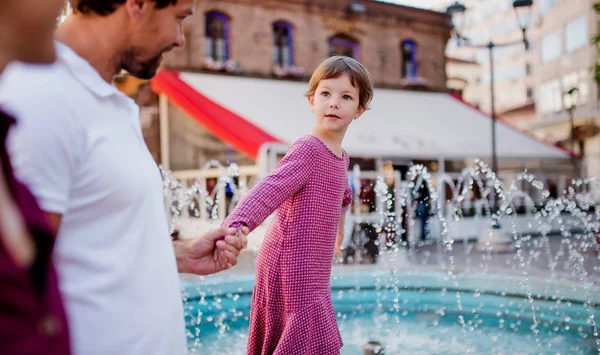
[(78, 145)]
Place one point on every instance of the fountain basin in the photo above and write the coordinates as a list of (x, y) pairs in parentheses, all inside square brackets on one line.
[(416, 312)]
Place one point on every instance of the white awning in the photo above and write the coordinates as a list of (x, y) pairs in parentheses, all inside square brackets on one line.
[(401, 123)]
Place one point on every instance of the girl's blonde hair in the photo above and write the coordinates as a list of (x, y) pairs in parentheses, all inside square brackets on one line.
[(335, 66)]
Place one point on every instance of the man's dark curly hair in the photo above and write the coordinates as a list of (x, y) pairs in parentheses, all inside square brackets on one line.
[(106, 7)]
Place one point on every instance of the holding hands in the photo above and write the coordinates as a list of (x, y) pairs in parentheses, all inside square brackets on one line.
[(211, 253), (230, 246)]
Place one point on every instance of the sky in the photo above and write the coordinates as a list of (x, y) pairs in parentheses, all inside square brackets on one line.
[(425, 4)]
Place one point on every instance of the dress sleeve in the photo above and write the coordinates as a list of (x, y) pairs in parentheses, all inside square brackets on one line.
[(289, 176)]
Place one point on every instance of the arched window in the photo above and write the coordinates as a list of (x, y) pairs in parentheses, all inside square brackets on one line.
[(283, 44), (216, 42), (344, 45), (409, 59)]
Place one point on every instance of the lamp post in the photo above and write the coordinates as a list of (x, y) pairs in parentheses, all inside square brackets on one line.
[(571, 100), (456, 12)]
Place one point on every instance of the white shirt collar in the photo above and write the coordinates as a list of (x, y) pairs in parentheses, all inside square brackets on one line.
[(84, 72)]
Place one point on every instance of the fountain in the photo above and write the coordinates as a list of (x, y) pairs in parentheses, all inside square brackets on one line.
[(512, 272)]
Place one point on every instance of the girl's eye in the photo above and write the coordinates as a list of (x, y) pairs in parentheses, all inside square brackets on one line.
[(325, 93), (347, 97)]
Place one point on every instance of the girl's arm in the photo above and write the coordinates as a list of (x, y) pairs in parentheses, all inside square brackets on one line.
[(340, 233), (288, 177), (342, 223)]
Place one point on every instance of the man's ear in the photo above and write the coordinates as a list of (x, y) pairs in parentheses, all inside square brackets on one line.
[(137, 8)]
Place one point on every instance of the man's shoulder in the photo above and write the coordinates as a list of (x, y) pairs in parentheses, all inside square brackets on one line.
[(36, 84), (38, 91), (27, 74)]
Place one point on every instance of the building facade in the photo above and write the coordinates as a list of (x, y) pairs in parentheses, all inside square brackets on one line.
[(464, 80), (514, 66), (565, 84), (402, 47), (532, 86)]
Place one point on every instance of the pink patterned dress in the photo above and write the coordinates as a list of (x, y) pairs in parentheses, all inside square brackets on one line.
[(291, 311)]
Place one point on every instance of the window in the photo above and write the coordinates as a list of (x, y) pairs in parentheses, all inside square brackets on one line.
[(550, 95), (283, 46), (529, 93), (216, 42), (506, 5), (549, 98), (344, 45), (576, 34), (505, 52), (509, 25), (531, 42), (528, 69), (578, 79), (545, 5), (550, 47), (409, 59), (505, 73)]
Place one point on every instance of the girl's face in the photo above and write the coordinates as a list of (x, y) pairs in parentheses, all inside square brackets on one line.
[(335, 104)]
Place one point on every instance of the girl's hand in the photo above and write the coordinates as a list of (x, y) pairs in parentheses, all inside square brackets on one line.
[(337, 251)]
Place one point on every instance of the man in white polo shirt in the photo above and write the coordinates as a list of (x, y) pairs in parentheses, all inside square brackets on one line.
[(79, 147)]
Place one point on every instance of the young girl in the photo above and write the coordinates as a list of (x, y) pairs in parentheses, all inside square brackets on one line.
[(292, 312)]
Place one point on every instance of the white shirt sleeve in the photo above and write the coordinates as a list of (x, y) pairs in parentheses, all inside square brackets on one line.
[(45, 142)]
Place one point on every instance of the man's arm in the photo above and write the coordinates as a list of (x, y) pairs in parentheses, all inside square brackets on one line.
[(195, 256)]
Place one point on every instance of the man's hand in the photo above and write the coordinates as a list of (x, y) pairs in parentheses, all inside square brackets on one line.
[(233, 246), (197, 256)]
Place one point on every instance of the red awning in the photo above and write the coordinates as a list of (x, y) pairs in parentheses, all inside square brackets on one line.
[(405, 124), (224, 124)]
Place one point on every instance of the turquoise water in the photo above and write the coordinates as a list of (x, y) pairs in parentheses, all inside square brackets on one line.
[(418, 333), (418, 315)]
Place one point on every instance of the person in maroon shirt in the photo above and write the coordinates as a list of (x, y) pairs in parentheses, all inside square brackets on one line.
[(32, 317)]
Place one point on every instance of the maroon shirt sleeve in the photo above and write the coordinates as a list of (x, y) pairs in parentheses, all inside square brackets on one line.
[(32, 316)]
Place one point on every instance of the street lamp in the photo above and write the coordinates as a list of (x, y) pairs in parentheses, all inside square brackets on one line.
[(522, 9), (357, 7), (571, 100)]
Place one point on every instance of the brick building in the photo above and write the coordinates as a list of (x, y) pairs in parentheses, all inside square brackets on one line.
[(403, 47), (245, 66), (400, 45)]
